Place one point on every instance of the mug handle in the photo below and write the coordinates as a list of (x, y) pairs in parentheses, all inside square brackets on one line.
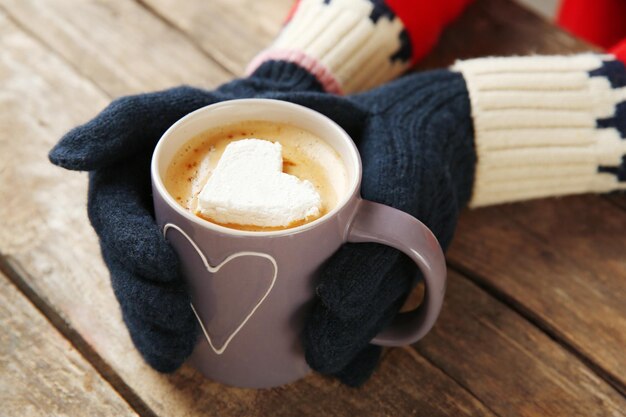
[(374, 222)]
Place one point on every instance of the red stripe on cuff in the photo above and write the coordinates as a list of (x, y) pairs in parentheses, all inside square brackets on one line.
[(425, 20), (619, 51)]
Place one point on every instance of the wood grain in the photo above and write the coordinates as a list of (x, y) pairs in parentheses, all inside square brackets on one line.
[(561, 263), (47, 230), (619, 199), (118, 44), (512, 366), (404, 385), (40, 372), (232, 31)]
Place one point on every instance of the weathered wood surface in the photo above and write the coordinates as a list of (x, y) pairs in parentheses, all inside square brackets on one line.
[(56, 254), (511, 366), (562, 264), (41, 374), (118, 44), (232, 31)]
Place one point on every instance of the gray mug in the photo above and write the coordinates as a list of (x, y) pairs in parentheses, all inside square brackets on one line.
[(251, 291)]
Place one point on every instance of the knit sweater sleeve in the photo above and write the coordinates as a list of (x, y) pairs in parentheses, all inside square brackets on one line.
[(546, 126), (354, 45)]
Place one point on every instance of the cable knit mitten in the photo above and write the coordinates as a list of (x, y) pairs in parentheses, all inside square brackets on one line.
[(418, 156), (493, 130)]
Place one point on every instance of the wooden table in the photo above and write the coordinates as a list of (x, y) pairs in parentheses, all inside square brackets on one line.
[(534, 322)]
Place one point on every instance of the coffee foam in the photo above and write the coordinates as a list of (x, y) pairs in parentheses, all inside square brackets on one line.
[(248, 187), (305, 155)]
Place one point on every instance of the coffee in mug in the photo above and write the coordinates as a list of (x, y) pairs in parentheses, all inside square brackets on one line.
[(310, 161)]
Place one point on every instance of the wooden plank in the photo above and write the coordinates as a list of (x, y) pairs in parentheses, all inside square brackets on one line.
[(561, 263), (46, 241), (47, 230), (232, 31), (40, 371), (118, 44), (513, 367), (404, 385), (619, 199)]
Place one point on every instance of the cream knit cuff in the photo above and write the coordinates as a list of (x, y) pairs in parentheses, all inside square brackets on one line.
[(543, 126), (340, 44)]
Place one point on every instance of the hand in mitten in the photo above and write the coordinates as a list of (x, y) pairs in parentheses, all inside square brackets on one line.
[(333, 46), (416, 140), (116, 148), (536, 127)]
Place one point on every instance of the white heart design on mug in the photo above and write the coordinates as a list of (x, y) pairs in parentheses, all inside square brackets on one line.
[(215, 269)]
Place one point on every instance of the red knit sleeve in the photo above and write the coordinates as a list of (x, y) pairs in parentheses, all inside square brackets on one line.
[(601, 22), (619, 51), (425, 20)]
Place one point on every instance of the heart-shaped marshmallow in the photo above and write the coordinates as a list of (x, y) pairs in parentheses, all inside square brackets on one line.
[(248, 187)]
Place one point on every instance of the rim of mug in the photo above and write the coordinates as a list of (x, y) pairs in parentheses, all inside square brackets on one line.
[(167, 197)]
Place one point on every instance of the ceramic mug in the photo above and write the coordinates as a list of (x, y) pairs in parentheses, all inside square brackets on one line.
[(251, 291)]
